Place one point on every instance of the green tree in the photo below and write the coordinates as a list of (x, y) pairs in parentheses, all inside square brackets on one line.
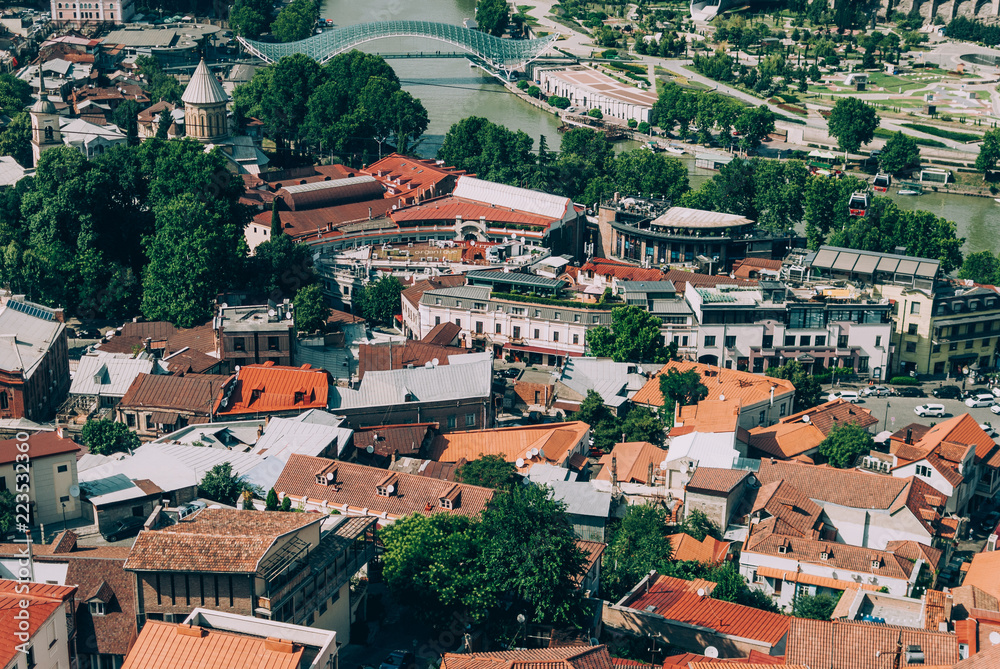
[(15, 140), (281, 268), (595, 113), (159, 84), (604, 425), (699, 526), (529, 553), (379, 302), (286, 504), (754, 125), (730, 586), (808, 392), (818, 607), (989, 152), (126, 117), (104, 437), (15, 94), (844, 444), (684, 388), (295, 21), (250, 18), (310, 309), (641, 424), (634, 336), (853, 123), (642, 172), (222, 484), (271, 503), (637, 544), (488, 150), (826, 206), (163, 125), (981, 267), (488, 471), (493, 16), (900, 153), (8, 511)]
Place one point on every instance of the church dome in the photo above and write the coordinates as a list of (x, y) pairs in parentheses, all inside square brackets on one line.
[(204, 88)]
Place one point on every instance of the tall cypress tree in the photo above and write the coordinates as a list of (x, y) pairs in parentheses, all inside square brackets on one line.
[(275, 219)]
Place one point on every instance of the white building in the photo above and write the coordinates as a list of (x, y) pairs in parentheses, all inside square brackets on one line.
[(588, 89), (101, 11)]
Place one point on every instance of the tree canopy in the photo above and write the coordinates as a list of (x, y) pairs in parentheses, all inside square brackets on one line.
[(899, 154), (844, 444), (989, 152), (488, 471), (853, 122), (295, 21), (222, 484), (684, 388), (493, 16), (637, 544), (981, 267), (378, 301), (634, 336), (817, 607), (808, 392), (311, 311), (104, 437), (699, 526)]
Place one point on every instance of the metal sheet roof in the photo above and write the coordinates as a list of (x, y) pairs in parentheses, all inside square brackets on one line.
[(465, 376), (204, 88), (866, 264), (845, 261), (824, 258), (519, 278), (907, 267), (284, 436), (581, 498), (108, 374), (520, 199), (25, 338)]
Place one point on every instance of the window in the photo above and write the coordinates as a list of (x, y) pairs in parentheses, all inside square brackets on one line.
[(576, 318), (239, 344), (452, 422), (767, 341), (760, 418), (939, 367), (437, 320), (97, 608), (62, 468), (805, 340), (536, 333), (709, 341), (516, 334), (458, 322), (30, 657), (64, 499), (842, 341), (596, 319), (3, 483), (730, 341), (878, 341), (911, 347), (758, 365), (470, 420), (576, 339), (684, 341), (969, 344), (789, 340), (862, 365), (272, 344), (555, 336), (138, 512), (914, 307), (911, 329), (538, 313), (481, 306), (821, 340), (498, 328), (3, 400), (556, 315), (936, 348), (437, 301), (986, 342), (479, 327), (130, 420), (953, 346), (923, 470)]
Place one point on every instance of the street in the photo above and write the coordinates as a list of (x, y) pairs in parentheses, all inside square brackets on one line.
[(900, 413)]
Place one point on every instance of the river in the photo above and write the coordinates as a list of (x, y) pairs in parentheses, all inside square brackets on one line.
[(450, 89)]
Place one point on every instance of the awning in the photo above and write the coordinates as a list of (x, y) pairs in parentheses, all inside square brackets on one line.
[(812, 579), (163, 417), (539, 349)]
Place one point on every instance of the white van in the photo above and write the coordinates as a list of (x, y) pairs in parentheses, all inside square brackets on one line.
[(846, 395)]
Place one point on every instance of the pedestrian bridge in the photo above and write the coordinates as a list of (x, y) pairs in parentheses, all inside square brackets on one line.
[(502, 54)]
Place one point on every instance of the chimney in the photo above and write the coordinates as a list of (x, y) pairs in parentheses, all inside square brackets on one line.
[(59, 432), (649, 474), (909, 436), (369, 213), (190, 630), (278, 645), (614, 471)]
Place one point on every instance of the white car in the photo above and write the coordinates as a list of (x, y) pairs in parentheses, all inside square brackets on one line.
[(995, 390), (984, 400), (936, 410), (995, 409), (846, 395), (988, 429)]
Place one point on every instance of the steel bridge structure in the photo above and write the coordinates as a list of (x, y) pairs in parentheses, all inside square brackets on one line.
[(505, 55)]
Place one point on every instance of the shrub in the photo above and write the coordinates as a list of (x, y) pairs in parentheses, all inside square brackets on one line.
[(522, 84), (595, 113), (632, 123), (903, 381), (609, 53), (643, 128)]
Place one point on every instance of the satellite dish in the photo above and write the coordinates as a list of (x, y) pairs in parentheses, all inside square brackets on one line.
[(513, 236), (472, 242), (520, 618), (523, 240), (519, 463), (995, 638), (329, 476), (527, 454), (701, 592), (370, 449), (390, 489), (663, 465), (722, 397), (711, 651), (271, 312), (805, 419), (435, 362), (74, 490), (429, 365), (534, 452), (541, 452), (224, 305), (288, 316)]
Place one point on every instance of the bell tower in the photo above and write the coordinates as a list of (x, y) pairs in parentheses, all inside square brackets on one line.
[(45, 132)]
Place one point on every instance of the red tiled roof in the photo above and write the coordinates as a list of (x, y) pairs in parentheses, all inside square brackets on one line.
[(715, 480), (676, 599), (984, 573), (192, 392), (797, 513), (269, 388), (449, 208), (592, 552), (564, 657), (442, 334), (632, 460), (410, 176), (382, 357), (747, 388), (793, 436), (356, 486), (321, 219), (555, 440), (181, 646), (621, 270), (840, 644), (40, 445), (685, 548), (413, 293), (42, 600)]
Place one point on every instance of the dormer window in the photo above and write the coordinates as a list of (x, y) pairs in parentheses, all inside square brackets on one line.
[(451, 497), (876, 563), (254, 395), (444, 503), (387, 486), (96, 608), (783, 548), (327, 477), (826, 554), (299, 396)]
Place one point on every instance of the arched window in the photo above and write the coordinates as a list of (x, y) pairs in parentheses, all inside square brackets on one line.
[(48, 133)]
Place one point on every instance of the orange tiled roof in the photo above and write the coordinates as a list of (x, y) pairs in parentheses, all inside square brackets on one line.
[(565, 657), (791, 576), (555, 440), (744, 387), (40, 445), (984, 573), (42, 601), (621, 270), (181, 646), (592, 552), (793, 435), (632, 459), (686, 548), (676, 599), (711, 416), (797, 514), (215, 540), (716, 480), (356, 486), (841, 644), (270, 388), (413, 293)]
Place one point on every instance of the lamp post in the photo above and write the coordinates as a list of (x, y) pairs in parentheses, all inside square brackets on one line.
[(64, 514), (885, 420)]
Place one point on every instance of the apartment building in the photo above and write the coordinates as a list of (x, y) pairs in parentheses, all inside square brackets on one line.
[(84, 13), (255, 334), (752, 329)]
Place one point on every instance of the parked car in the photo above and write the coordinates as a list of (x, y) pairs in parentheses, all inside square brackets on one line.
[(996, 391), (876, 391), (983, 400), (936, 410), (995, 409), (398, 659), (510, 373), (972, 392), (129, 527), (846, 395), (947, 393), (185, 510), (988, 429), (910, 391)]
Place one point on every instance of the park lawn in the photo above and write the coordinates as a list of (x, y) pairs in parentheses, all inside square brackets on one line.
[(943, 132), (523, 10), (893, 83)]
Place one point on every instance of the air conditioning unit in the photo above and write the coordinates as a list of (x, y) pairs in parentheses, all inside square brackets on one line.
[(886, 467)]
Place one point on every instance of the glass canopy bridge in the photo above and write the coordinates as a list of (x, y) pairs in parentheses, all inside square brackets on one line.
[(505, 55)]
